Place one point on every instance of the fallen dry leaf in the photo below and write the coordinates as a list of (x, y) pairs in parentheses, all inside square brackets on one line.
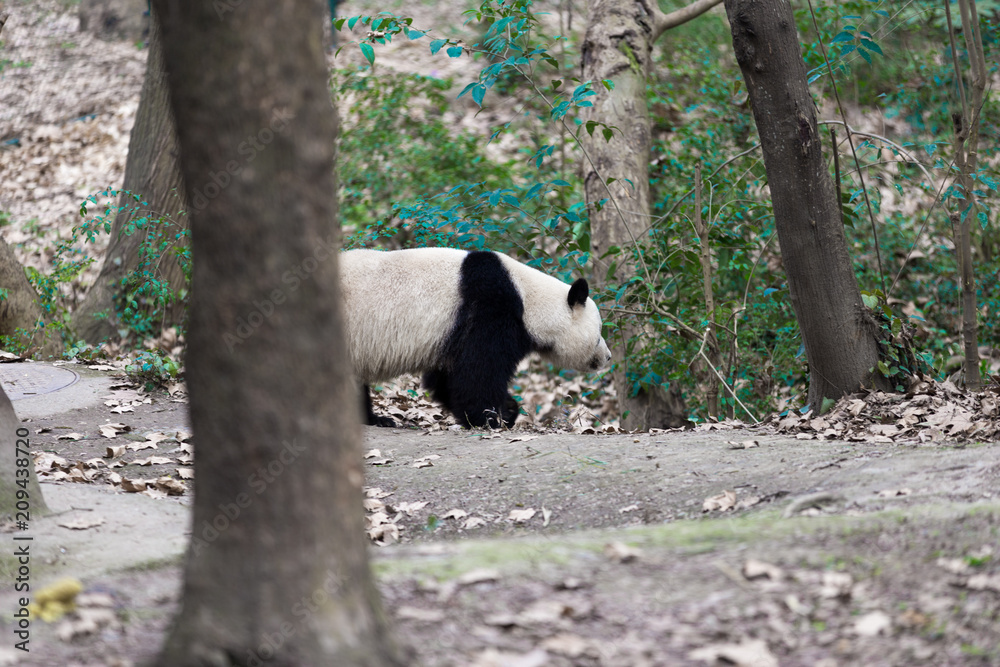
[(520, 516), (152, 461), (620, 552), (82, 523), (425, 461), (758, 569), (872, 624), (492, 657), (112, 430), (478, 576), (722, 502), (410, 508), (171, 486), (748, 653), (984, 582)]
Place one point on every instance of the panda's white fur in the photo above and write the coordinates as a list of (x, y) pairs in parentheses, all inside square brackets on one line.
[(403, 309)]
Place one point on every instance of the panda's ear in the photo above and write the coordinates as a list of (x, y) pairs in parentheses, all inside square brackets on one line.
[(578, 293)]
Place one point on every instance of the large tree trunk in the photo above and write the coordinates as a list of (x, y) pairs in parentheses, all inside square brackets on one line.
[(837, 331), (617, 47), (152, 172), (20, 311), (20, 496), (278, 570)]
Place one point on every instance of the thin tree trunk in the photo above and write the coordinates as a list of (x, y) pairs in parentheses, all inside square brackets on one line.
[(20, 495), (278, 571), (20, 311), (617, 47), (711, 340), (153, 173), (837, 331), (966, 161)]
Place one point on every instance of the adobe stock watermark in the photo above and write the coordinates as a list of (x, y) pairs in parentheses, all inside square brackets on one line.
[(301, 611), (248, 148), (258, 482), (291, 280)]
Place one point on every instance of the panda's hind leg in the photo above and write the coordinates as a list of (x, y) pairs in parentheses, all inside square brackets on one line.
[(372, 419)]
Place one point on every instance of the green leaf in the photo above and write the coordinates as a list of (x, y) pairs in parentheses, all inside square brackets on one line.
[(351, 22), (478, 93), (368, 52), (872, 46), (467, 89), (608, 133), (843, 37), (869, 301), (437, 44)]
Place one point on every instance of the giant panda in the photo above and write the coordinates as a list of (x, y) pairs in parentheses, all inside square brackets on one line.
[(464, 320)]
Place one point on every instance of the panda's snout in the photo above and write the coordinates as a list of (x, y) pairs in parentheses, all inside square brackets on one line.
[(602, 358)]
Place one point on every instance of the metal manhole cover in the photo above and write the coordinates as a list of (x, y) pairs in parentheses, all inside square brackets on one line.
[(24, 380)]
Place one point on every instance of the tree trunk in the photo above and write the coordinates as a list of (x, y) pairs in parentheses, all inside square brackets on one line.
[(278, 571), (151, 172), (836, 329), (966, 160), (20, 309), (617, 47), (20, 495)]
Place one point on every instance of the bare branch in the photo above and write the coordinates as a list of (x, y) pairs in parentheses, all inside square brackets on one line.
[(662, 22)]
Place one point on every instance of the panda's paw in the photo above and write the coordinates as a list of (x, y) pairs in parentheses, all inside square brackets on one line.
[(383, 422)]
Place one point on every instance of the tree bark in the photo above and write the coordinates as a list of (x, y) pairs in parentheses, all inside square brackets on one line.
[(20, 309), (15, 442), (837, 331), (617, 47), (153, 173), (277, 572)]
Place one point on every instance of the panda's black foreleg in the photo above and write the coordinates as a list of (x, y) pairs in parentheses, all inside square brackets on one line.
[(475, 392), (372, 419)]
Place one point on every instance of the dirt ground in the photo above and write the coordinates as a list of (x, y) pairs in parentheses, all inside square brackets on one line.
[(845, 553)]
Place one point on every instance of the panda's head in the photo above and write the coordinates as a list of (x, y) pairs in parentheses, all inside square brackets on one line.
[(570, 332)]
